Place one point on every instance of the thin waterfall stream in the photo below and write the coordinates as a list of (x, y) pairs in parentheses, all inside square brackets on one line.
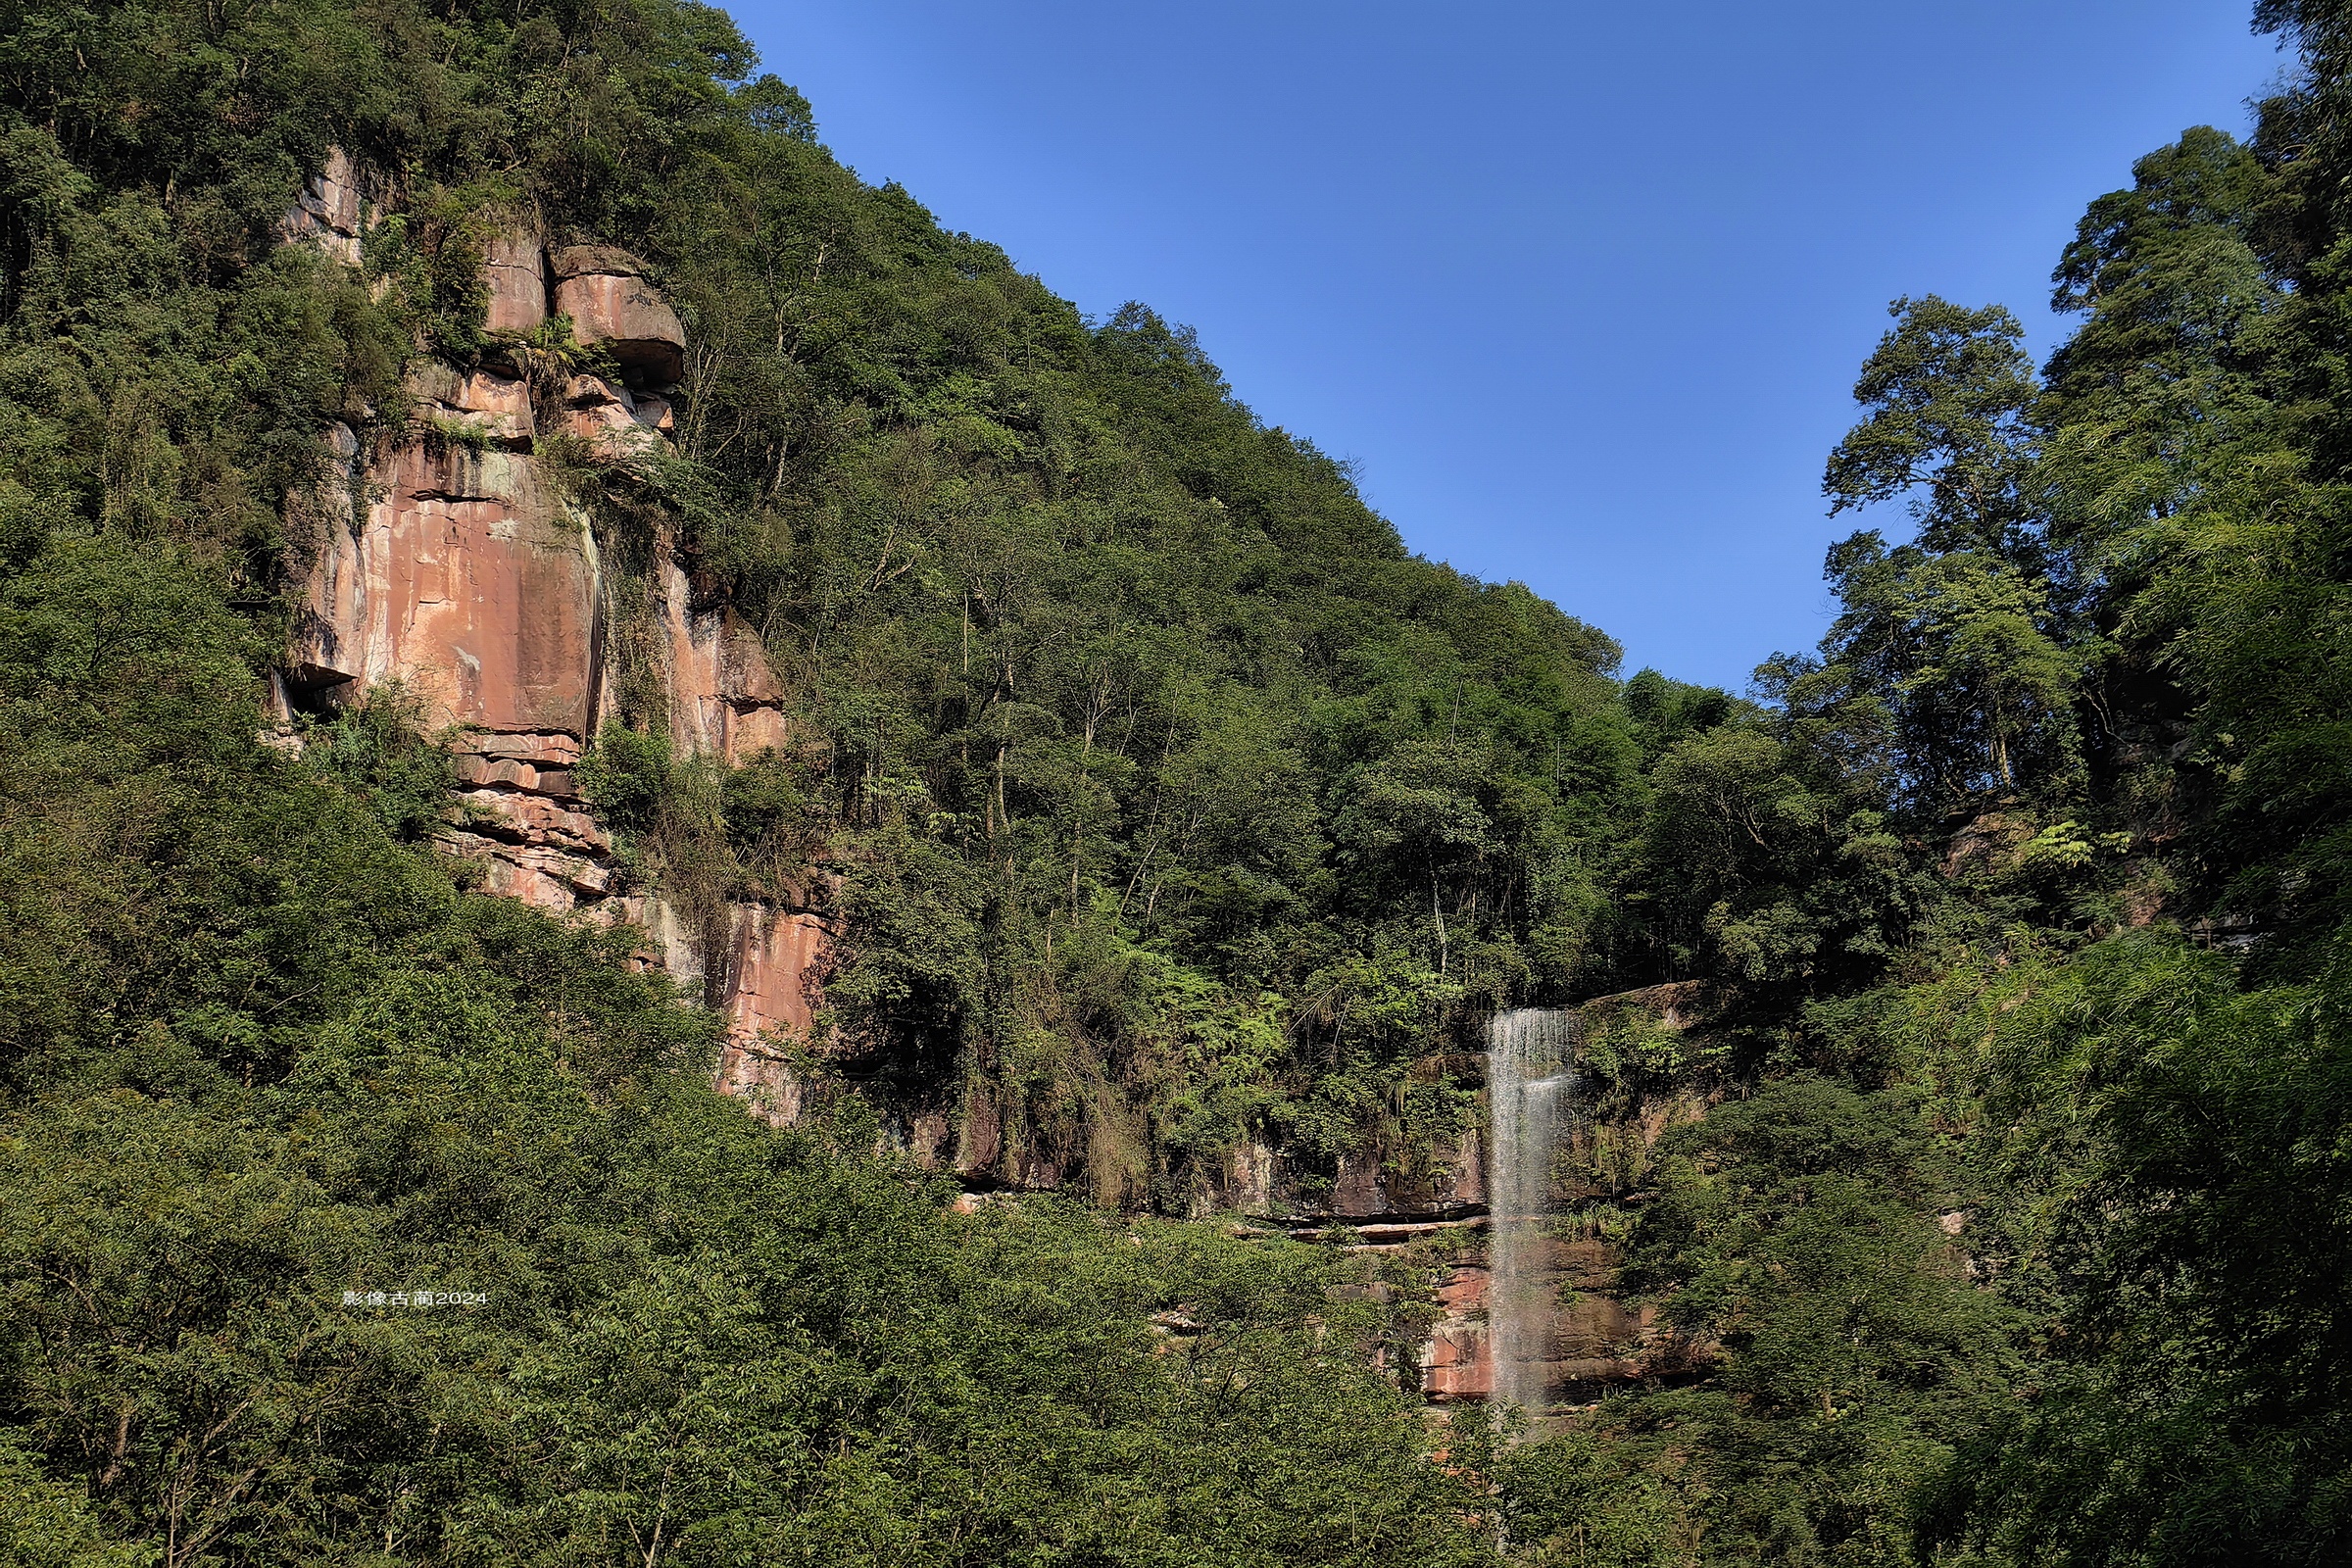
[(1531, 1095)]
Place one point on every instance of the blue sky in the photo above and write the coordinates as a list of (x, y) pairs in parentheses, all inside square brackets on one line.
[(1581, 289)]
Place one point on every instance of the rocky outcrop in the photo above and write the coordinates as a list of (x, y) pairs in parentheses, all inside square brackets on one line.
[(477, 409), (612, 307), (515, 269), (523, 820), (465, 582), (725, 701), (442, 557), (606, 419), (331, 212)]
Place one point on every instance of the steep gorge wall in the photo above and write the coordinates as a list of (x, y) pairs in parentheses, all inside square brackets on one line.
[(447, 555)]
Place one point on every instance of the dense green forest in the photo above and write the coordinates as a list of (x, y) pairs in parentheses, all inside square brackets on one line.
[(1173, 804)]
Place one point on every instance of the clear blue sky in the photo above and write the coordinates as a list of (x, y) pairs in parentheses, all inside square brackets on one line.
[(1581, 288)]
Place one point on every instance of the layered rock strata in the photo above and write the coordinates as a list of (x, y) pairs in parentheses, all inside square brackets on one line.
[(443, 556)]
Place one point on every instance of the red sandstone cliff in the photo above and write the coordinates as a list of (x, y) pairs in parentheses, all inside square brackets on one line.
[(442, 555)]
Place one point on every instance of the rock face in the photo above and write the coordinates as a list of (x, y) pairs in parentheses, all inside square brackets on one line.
[(441, 557), (330, 212), (465, 582), (1590, 1337), (1366, 1188), (1454, 1366), (1596, 1341), (514, 266), (773, 955), (611, 305)]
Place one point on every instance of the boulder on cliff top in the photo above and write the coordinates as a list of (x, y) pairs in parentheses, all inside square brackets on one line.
[(604, 416), (611, 305)]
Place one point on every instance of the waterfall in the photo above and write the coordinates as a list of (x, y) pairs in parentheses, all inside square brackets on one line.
[(1531, 1083)]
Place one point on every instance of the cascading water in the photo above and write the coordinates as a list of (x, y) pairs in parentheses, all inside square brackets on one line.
[(1531, 1089)]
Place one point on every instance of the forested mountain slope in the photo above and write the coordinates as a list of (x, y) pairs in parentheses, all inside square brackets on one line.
[(1128, 738), (1145, 753), (1160, 811)]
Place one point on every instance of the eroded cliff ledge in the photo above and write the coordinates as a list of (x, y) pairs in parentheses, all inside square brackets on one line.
[(447, 550)]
